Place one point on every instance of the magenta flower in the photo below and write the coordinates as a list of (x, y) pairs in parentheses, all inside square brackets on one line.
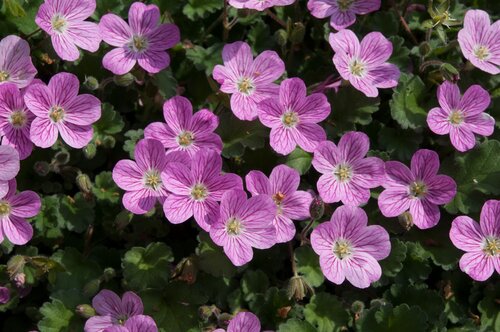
[(183, 131), (243, 224), (4, 295), (364, 64), (293, 117), (15, 120), (15, 62), (60, 110), (14, 209), (461, 117), (349, 249), (342, 13), (420, 189), (113, 311), (259, 5), (139, 323), (243, 322), (249, 81), (479, 40), (64, 21), (196, 190), (291, 203), (481, 242), (141, 179), (142, 40), (9, 164), (348, 175)]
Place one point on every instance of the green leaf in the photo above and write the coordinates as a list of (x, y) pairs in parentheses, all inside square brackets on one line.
[(295, 325), (147, 267), (490, 309), (389, 319), (400, 143), (105, 188), (78, 212), (211, 258), (166, 83), (400, 53), (110, 122), (394, 263), (326, 313), (196, 9), (254, 283), (300, 160), (268, 306), (205, 58), (14, 8), (237, 135), (416, 265), (56, 317), (130, 143), (49, 222), (407, 100), (308, 266)]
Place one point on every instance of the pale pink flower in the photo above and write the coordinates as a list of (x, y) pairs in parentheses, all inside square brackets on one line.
[(15, 62), (342, 13), (259, 5)]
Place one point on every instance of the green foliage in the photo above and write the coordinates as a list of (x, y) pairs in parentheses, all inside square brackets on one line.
[(308, 266), (407, 100), (326, 313)]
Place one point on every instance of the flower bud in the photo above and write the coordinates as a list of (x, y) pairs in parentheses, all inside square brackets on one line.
[(4, 295), (357, 307), (19, 279), (92, 287), (281, 37), (298, 33), (124, 80), (123, 219), (206, 312), (298, 288), (15, 265), (449, 72), (83, 182), (108, 274), (424, 48), (91, 83), (406, 220), (85, 311), (41, 168), (317, 207), (108, 142), (186, 270), (90, 150), (62, 157), (223, 320)]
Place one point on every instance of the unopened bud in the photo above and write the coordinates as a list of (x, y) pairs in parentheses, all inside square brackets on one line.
[(15, 265), (223, 320), (83, 182), (298, 288), (123, 219), (91, 83), (108, 274), (317, 207), (19, 279), (90, 150), (108, 142), (377, 303), (124, 80), (4, 295), (41, 168), (207, 311), (186, 270), (62, 157), (357, 307), (424, 48), (281, 37), (92, 287), (298, 33), (406, 220), (85, 311), (449, 72)]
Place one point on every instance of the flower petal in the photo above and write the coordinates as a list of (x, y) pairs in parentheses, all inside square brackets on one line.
[(154, 61), (128, 176), (140, 201), (425, 164), (131, 304), (441, 189), (477, 265), (107, 302), (375, 49), (143, 18), (424, 213), (308, 136), (438, 121), (353, 146), (326, 157), (374, 241), (178, 209), (462, 138), (490, 218), (282, 140), (83, 110), (163, 37), (284, 179), (26, 204), (361, 269), (119, 61), (296, 206), (16, 229), (344, 41), (394, 201), (74, 135), (114, 30), (267, 67), (9, 163), (150, 154), (448, 96), (466, 234), (43, 132)]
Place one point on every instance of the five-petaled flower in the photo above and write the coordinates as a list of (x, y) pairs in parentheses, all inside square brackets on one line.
[(461, 117), (183, 131), (293, 117), (259, 5), (342, 13), (249, 80), (64, 21), (291, 203), (243, 224), (195, 189), (59, 109), (364, 64), (419, 189), (349, 249), (16, 65), (480, 241), (479, 40), (348, 175), (243, 322), (141, 41)]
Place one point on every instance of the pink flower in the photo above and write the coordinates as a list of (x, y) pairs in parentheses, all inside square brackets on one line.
[(4, 295), (291, 203), (183, 131), (348, 175), (420, 189), (243, 224), (141, 179), (349, 249), (342, 12), (141, 41), (479, 41), (259, 4), (112, 311), (293, 117), (15, 120), (60, 110), (195, 190), (461, 117), (64, 21), (481, 242), (243, 322), (15, 62), (14, 208), (139, 323), (249, 81), (9, 164), (364, 64)]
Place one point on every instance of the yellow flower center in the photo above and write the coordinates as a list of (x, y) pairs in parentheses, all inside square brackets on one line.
[(18, 119), (278, 198), (4, 76), (152, 179), (139, 43), (59, 23), (343, 173), (199, 192), (491, 246), (245, 85), (234, 226), (357, 68), (4, 208), (344, 4), (482, 52), (418, 189), (290, 119), (57, 113), (185, 138), (342, 248), (456, 118)]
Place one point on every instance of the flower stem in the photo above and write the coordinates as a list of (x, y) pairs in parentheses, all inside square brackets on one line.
[(292, 259), (303, 234), (276, 18)]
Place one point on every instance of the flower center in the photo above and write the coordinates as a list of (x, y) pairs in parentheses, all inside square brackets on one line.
[(199, 192), (57, 113), (152, 179), (246, 86), (482, 52), (4, 76), (234, 226), (59, 23), (357, 68), (138, 44), (456, 118), (342, 248), (343, 172), (344, 4), (290, 119), (4, 208), (491, 246), (185, 139), (418, 189), (18, 119), (278, 198)]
